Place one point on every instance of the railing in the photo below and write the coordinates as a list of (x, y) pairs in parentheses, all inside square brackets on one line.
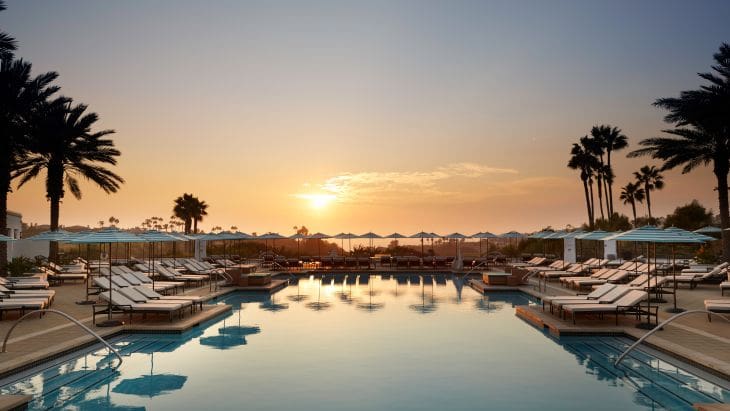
[(659, 327), (68, 317)]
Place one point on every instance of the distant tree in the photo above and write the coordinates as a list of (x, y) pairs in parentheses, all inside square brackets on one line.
[(113, 221), (190, 210), (617, 222), (651, 179), (689, 217), (632, 193)]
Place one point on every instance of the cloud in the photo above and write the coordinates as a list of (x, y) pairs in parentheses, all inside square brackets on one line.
[(444, 183)]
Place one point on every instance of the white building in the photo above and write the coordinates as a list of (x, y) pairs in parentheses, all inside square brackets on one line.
[(15, 225), (27, 248)]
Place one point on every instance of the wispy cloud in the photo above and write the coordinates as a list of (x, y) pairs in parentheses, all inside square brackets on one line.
[(444, 182)]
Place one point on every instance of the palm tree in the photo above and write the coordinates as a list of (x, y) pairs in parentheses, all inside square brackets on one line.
[(594, 145), (632, 193), (199, 211), (613, 139), (62, 144), (183, 210), (652, 179), (7, 43), (701, 135), (20, 94), (581, 159)]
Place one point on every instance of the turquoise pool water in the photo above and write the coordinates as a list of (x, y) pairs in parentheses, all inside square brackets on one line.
[(372, 343)]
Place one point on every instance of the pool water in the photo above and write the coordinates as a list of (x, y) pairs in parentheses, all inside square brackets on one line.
[(368, 343)]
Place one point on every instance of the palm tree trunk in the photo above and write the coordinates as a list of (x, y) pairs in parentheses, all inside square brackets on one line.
[(610, 184), (588, 204), (648, 200), (4, 189), (195, 225), (593, 205), (633, 208), (55, 212), (722, 188), (600, 196)]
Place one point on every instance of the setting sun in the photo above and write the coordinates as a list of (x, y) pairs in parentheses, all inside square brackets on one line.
[(318, 201)]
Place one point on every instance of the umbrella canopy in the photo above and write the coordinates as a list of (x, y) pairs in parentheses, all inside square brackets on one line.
[(345, 236), (297, 236), (512, 234), (109, 235), (597, 235), (318, 236), (57, 235), (395, 235), (541, 234), (242, 236), (271, 236), (154, 236), (484, 235), (652, 234), (370, 235), (692, 234), (4, 238), (455, 236), (423, 235), (709, 230), (151, 385)]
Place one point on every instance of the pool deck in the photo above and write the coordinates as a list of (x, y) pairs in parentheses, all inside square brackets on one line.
[(692, 338)]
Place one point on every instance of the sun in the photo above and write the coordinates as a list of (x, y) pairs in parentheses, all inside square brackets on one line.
[(318, 201)]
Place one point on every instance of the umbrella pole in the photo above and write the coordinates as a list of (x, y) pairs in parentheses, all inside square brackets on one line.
[(109, 322), (674, 309)]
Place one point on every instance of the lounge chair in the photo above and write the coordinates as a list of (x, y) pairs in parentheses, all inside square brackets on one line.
[(629, 303), (716, 269), (22, 284), (138, 297), (615, 276), (21, 306), (717, 306), (608, 297), (595, 294), (695, 278), (124, 304)]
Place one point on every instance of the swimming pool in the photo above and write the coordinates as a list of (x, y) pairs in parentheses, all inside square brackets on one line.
[(390, 343)]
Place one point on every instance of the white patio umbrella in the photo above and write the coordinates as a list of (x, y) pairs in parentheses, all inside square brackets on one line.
[(423, 235), (486, 235), (298, 237), (5, 239), (152, 237), (55, 236), (709, 230), (370, 236), (108, 236), (320, 237), (345, 236)]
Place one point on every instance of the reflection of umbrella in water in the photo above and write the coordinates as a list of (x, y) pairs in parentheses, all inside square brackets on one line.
[(298, 297), (105, 402), (319, 305), (230, 336), (273, 306), (370, 305), (425, 307), (484, 304)]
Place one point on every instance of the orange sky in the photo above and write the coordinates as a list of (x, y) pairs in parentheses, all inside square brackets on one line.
[(367, 117)]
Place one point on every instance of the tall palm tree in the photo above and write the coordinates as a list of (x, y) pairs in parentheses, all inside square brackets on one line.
[(20, 95), (62, 144), (651, 178), (594, 145), (702, 133), (7, 43), (632, 193), (582, 159), (613, 139)]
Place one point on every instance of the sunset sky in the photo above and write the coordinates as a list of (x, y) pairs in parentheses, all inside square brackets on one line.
[(377, 115)]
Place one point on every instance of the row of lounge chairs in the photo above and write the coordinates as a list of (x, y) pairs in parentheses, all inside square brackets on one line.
[(24, 293), (605, 299)]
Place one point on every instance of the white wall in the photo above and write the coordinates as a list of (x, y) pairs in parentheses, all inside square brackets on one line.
[(569, 250)]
